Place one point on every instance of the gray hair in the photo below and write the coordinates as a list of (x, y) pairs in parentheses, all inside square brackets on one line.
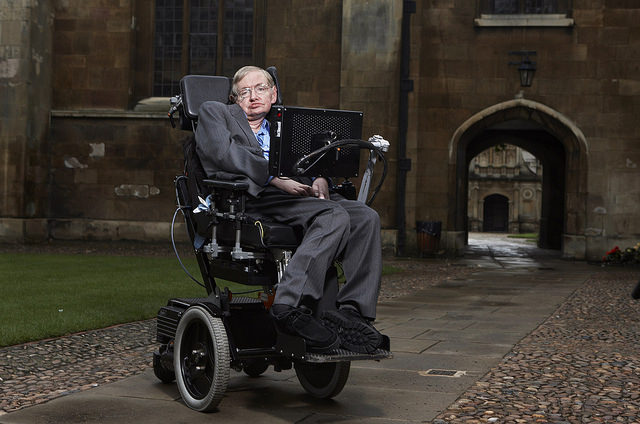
[(243, 72)]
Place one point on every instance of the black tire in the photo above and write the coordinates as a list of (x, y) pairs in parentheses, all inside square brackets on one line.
[(255, 367), (323, 380), (201, 359), (161, 372)]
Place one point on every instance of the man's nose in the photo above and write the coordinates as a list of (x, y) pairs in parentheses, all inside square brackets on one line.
[(252, 94)]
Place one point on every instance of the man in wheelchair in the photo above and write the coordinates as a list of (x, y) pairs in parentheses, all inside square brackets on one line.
[(235, 139)]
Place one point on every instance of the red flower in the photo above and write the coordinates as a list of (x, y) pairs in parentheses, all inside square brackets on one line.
[(614, 250)]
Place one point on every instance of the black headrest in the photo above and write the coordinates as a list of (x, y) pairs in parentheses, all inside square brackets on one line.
[(197, 89), (274, 74)]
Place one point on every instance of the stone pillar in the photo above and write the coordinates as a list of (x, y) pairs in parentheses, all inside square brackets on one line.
[(369, 82), (514, 224), (481, 213), (474, 213), (25, 103)]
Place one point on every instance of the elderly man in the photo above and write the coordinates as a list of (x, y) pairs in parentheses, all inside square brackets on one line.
[(235, 139)]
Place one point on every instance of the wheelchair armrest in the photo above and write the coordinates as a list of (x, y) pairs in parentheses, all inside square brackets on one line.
[(227, 185)]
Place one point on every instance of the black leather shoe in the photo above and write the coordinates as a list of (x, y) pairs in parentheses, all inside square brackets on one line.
[(300, 322), (356, 333)]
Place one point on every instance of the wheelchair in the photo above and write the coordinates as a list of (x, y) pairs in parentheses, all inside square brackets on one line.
[(202, 339)]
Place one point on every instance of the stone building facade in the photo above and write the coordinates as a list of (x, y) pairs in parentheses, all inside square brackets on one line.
[(505, 187), (86, 155), (577, 116)]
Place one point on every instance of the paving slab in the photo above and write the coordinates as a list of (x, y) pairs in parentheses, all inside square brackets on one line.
[(429, 360)]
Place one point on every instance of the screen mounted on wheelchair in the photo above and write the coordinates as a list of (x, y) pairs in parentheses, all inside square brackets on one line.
[(298, 131)]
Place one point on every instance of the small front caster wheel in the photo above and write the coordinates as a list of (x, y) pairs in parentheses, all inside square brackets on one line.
[(323, 380)]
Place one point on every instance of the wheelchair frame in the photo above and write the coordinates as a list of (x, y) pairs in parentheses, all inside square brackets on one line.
[(201, 339)]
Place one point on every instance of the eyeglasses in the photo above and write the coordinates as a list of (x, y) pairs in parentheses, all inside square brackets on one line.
[(258, 90)]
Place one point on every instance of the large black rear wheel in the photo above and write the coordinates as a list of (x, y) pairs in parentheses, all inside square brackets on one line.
[(201, 359)]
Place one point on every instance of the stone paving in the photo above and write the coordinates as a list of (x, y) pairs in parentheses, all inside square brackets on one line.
[(581, 365), (34, 373)]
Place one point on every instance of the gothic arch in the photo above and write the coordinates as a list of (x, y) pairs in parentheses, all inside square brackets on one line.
[(550, 136)]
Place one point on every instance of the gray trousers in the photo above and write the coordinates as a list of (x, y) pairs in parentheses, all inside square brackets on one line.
[(336, 229)]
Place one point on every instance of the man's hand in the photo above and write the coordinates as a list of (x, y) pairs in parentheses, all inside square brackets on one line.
[(320, 188), (292, 187)]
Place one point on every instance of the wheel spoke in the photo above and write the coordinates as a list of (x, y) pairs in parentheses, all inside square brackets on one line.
[(199, 360)]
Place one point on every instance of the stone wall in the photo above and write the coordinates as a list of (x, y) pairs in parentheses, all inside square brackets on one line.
[(303, 41), (110, 170), (25, 98), (342, 55), (336, 54), (93, 45), (370, 67), (586, 73)]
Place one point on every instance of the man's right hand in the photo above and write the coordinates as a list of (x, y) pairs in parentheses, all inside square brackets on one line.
[(292, 186)]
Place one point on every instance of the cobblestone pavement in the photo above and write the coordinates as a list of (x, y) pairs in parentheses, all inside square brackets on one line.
[(582, 365), (37, 372)]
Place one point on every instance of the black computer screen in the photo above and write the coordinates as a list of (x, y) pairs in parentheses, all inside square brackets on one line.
[(297, 131)]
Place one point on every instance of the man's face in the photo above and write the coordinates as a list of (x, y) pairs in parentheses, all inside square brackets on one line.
[(256, 105)]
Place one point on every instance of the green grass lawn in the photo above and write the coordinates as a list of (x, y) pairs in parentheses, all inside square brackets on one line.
[(532, 237), (49, 295)]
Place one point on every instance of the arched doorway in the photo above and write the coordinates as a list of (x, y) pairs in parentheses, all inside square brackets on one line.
[(553, 157), (515, 174), (496, 214), (552, 138)]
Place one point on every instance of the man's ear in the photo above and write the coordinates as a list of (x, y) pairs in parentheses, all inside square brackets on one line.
[(274, 95)]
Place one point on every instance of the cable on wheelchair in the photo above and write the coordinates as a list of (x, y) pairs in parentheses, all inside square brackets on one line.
[(320, 156), (259, 225), (175, 249), (297, 170)]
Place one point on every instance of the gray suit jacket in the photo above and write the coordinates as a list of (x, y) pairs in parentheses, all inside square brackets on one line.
[(226, 145)]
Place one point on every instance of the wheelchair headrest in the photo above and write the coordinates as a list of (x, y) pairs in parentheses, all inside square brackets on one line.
[(197, 89), (274, 74)]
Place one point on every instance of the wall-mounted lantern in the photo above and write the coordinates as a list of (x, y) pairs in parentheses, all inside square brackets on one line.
[(526, 68)]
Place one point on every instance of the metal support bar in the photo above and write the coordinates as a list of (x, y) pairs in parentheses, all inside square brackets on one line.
[(381, 144)]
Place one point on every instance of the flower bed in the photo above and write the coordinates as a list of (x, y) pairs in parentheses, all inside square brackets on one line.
[(630, 255)]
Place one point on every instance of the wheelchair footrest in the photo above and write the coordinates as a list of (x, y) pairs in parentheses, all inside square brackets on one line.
[(341, 355), (244, 300)]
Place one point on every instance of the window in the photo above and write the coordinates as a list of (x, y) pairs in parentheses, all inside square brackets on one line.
[(524, 13), (206, 37), (523, 6)]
